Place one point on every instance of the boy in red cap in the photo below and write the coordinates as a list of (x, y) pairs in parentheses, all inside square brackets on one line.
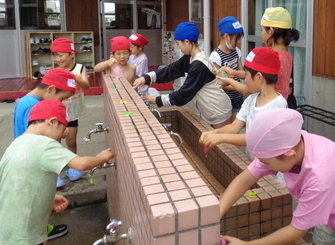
[(117, 64), (56, 84), (63, 52), (29, 170), (261, 69), (138, 58)]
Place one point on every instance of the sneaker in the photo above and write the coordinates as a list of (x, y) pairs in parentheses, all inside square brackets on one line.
[(56, 231), (73, 174), (60, 182), (35, 62)]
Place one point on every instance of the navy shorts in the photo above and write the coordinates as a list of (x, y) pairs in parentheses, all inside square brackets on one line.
[(73, 124), (236, 104)]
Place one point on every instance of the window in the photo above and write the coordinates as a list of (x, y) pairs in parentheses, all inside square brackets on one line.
[(149, 16), (40, 14), (7, 15), (118, 16)]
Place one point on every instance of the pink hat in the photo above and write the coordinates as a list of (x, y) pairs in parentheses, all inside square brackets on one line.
[(138, 39), (61, 79), (263, 59), (119, 43), (274, 132), (47, 109), (62, 45)]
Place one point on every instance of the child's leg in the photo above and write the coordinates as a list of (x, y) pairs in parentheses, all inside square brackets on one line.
[(323, 235), (71, 139)]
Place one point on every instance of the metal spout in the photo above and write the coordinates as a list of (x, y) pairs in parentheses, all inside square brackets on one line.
[(178, 135), (99, 129), (155, 110), (105, 165)]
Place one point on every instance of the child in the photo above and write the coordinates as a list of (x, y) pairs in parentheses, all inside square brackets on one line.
[(28, 174), (211, 102), (63, 53), (228, 55), (277, 33), (278, 144), (261, 69), (119, 57), (56, 84), (138, 58)]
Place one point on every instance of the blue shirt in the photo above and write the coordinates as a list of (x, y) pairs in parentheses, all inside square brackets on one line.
[(21, 113)]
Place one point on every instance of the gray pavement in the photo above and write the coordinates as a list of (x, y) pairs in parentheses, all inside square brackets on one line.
[(87, 215)]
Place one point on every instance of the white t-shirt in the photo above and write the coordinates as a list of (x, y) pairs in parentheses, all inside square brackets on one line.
[(141, 64), (249, 110)]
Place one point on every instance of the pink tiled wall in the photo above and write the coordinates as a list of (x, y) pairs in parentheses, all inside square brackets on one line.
[(148, 190), (170, 198)]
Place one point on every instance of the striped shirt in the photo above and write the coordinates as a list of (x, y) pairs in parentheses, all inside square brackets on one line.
[(230, 60)]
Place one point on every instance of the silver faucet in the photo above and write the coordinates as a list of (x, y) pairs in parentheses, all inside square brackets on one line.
[(113, 235), (178, 135), (99, 129), (167, 127), (105, 165), (148, 105)]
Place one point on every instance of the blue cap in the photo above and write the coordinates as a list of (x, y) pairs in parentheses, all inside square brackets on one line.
[(229, 25), (186, 30)]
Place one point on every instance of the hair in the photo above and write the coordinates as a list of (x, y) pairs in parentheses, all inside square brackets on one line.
[(36, 121), (45, 86), (238, 36), (119, 50), (288, 35), (269, 78)]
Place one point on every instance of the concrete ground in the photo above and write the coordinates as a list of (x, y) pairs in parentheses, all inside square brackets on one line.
[(87, 215)]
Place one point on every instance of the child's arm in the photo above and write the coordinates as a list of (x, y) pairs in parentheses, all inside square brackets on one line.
[(86, 163), (285, 236), (104, 65), (81, 79), (226, 134), (235, 190), (233, 73), (231, 84)]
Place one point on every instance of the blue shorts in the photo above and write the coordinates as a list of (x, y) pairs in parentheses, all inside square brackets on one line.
[(236, 104)]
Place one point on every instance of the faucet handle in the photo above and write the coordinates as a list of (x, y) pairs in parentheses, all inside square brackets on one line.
[(113, 224), (99, 124)]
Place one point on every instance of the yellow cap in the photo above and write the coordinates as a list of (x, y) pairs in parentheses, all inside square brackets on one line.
[(277, 17)]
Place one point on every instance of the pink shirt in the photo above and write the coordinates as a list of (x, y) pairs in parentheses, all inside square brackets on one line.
[(284, 74), (314, 186)]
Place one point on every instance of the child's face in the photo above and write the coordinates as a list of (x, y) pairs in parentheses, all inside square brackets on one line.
[(184, 47), (59, 131), (265, 35), (231, 41), (63, 60), (122, 56), (51, 94), (278, 164), (251, 82), (135, 50)]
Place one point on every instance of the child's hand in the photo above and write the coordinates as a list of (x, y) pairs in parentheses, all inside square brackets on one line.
[(230, 72), (234, 241), (210, 140), (106, 154), (139, 82), (60, 204), (150, 99), (111, 61), (203, 136), (223, 82)]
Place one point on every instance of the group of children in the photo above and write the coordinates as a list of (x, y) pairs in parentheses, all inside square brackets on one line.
[(32, 163)]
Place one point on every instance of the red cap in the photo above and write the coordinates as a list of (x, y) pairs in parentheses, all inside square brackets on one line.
[(119, 43), (263, 59), (47, 109), (61, 79), (138, 39), (62, 45)]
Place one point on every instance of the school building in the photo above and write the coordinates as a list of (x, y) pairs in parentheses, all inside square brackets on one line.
[(314, 66)]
